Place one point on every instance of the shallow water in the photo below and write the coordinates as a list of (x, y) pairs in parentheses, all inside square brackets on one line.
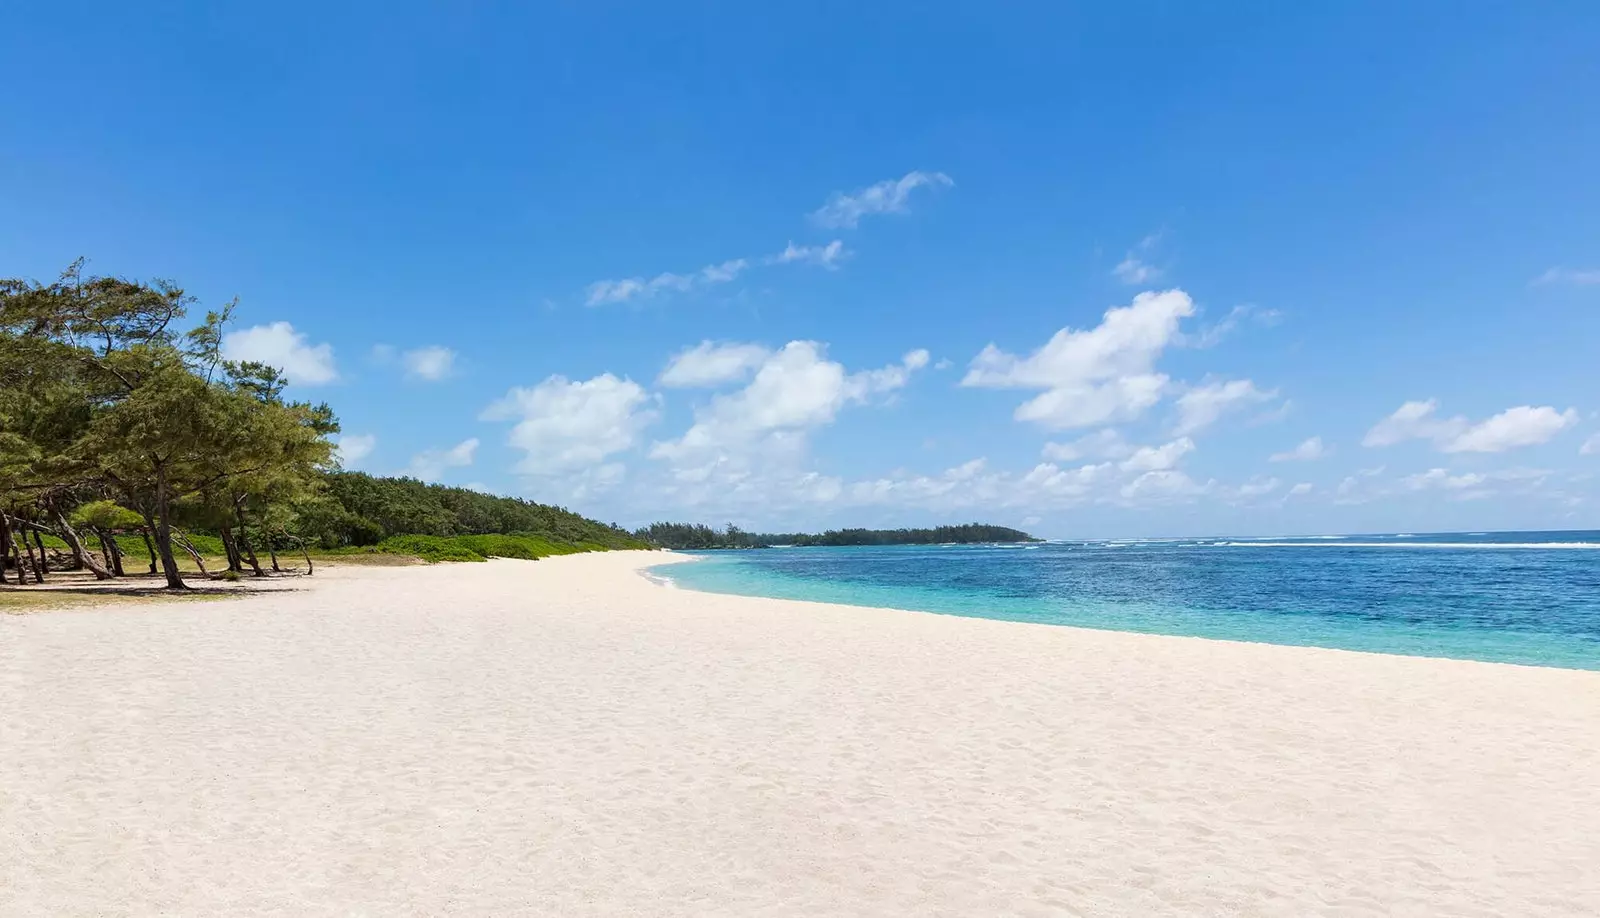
[(1531, 598)]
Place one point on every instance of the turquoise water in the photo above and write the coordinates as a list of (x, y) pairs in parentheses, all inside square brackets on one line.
[(1531, 598)]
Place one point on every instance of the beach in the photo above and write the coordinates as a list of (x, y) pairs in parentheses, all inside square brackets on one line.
[(567, 737)]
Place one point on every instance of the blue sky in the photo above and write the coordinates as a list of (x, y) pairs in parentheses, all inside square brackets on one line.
[(803, 267)]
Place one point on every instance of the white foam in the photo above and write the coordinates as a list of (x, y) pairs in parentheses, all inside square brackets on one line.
[(1562, 545)]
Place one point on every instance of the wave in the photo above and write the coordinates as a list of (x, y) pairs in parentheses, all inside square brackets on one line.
[(661, 580), (1564, 545)]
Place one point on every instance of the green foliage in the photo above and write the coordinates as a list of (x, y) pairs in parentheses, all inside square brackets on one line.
[(359, 509), (470, 547), (691, 536), (108, 515)]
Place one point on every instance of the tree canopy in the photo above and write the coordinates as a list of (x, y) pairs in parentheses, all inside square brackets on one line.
[(700, 536), (115, 418)]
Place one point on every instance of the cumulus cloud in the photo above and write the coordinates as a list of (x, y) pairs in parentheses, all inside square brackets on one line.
[(1521, 426), (1258, 488), (1102, 444), (1204, 405), (1091, 376), (794, 390), (1302, 488), (1164, 486), (1576, 276), (710, 363), (1307, 451), (1591, 446), (1158, 458), (431, 363), (351, 449), (279, 345), (565, 426), (886, 197), (429, 465)]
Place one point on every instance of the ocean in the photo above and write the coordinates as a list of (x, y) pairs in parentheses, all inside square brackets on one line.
[(1509, 597)]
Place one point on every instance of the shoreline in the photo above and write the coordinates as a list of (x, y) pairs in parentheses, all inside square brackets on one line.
[(686, 557), (568, 738)]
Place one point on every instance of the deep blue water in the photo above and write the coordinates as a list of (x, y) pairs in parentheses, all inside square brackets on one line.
[(1521, 597)]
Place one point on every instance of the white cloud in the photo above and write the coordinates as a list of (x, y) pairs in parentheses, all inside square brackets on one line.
[(1578, 276), (710, 364), (603, 292), (1204, 405), (1303, 487), (1214, 334), (1158, 458), (1102, 444), (1514, 427), (1443, 479), (886, 197), (350, 449), (1133, 269), (825, 256), (1591, 446), (564, 426), (429, 465), (1164, 486), (1307, 451), (431, 363), (1091, 376), (279, 345), (1258, 488), (1524, 425), (795, 389), (620, 291), (1130, 270)]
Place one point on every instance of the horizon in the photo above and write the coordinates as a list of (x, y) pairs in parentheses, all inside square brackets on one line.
[(1287, 270)]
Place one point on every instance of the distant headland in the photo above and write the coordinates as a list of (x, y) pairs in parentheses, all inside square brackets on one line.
[(701, 536)]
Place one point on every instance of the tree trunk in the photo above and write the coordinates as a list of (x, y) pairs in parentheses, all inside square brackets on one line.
[(188, 546), (38, 569), (310, 568), (148, 545), (5, 549), (44, 565), (244, 541), (163, 527), (83, 558), (230, 549), (273, 554), (116, 554)]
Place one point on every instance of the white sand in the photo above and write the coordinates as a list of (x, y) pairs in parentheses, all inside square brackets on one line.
[(565, 738)]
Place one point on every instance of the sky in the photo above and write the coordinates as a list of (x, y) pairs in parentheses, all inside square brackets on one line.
[(1093, 270)]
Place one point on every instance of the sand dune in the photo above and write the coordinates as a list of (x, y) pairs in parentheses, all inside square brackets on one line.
[(566, 738)]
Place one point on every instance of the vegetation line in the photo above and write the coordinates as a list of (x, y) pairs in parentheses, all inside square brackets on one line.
[(125, 439)]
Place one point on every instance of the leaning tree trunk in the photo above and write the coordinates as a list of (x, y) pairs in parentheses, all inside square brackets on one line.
[(44, 564), (231, 549), (148, 545), (38, 569), (243, 543), (188, 546), (112, 551), (83, 558), (163, 527)]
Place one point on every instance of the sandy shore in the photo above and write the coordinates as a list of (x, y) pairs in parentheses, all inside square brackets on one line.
[(567, 738)]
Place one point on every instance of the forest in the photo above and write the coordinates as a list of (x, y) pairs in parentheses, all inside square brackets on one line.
[(124, 432), (700, 536)]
